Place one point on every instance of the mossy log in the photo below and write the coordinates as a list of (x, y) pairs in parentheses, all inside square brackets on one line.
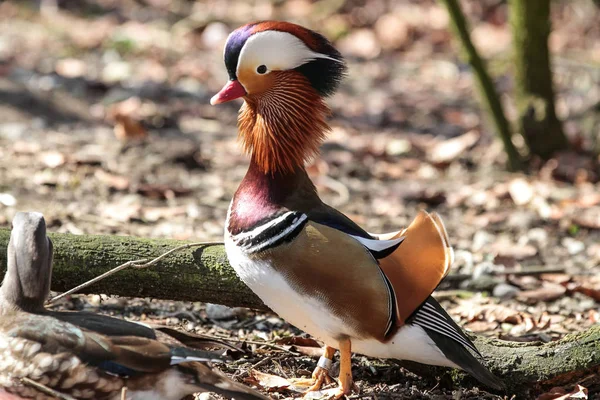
[(194, 274), (203, 274)]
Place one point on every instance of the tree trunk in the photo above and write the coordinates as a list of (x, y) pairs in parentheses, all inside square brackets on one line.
[(534, 93), (203, 274), (485, 85)]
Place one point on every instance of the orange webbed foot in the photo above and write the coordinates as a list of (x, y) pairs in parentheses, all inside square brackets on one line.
[(320, 376), (321, 373)]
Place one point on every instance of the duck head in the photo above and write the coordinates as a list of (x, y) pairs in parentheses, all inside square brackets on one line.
[(283, 72)]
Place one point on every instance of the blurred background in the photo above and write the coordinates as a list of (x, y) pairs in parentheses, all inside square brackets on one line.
[(105, 127)]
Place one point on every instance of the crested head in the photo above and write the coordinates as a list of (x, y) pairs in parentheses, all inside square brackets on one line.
[(26, 284), (263, 47), (283, 71)]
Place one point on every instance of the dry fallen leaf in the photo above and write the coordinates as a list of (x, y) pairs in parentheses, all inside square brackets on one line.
[(449, 150), (116, 182), (481, 326), (559, 393), (299, 341), (489, 312), (548, 292), (307, 346), (586, 290), (268, 381), (158, 191), (517, 251), (126, 115), (556, 278)]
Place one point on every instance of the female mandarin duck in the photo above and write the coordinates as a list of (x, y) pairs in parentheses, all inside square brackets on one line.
[(85, 355), (311, 264)]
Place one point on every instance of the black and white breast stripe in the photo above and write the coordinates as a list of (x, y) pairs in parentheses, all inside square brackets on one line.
[(435, 318), (280, 229)]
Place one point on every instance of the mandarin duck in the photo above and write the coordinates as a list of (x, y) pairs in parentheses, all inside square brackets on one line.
[(82, 354), (308, 262)]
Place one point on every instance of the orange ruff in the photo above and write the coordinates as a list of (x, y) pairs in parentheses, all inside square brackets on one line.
[(284, 126)]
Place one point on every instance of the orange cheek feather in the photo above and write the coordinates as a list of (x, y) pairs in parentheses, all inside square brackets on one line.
[(253, 82)]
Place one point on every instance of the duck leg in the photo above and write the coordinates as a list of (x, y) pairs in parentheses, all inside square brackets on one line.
[(321, 374), (346, 385)]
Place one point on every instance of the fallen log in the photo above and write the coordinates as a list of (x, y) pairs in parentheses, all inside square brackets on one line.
[(194, 274), (203, 274)]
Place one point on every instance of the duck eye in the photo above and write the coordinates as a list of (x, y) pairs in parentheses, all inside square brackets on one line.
[(262, 69)]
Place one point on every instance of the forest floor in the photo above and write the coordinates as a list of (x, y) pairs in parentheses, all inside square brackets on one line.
[(79, 84)]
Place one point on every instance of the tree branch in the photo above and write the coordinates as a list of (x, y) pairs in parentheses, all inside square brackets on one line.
[(487, 91)]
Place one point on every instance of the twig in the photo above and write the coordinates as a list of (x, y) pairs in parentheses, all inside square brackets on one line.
[(134, 264), (94, 280), (280, 369), (274, 346), (45, 389)]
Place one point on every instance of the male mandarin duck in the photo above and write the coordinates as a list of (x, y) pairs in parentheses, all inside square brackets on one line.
[(85, 355), (308, 262)]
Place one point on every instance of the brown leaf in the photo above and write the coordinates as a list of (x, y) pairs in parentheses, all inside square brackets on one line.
[(308, 351), (556, 278), (481, 326), (548, 292), (268, 381), (573, 167), (126, 115), (489, 312), (157, 191), (299, 341), (127, 129), (586, 290), (559, 393), (514, 250), (116, 182), (307, 346), (451, 149), (428, 196)]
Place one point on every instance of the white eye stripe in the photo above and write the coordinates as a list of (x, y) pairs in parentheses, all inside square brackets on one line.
[(277, 51)]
